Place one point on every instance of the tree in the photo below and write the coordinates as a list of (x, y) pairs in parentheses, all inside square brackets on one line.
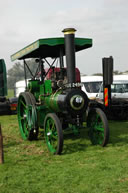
[(117, 72), (97, 74), (16, 73)]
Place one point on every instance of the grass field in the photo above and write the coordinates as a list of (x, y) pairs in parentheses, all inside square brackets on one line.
[(10, 93), (82, 168)]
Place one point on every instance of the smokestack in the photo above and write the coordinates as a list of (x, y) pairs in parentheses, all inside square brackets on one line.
[(70, 54)]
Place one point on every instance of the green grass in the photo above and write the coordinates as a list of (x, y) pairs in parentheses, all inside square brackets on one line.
[(82, 168), (10, 93)]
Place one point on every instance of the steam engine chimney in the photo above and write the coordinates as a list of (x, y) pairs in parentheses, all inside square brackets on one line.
[(70, 54)]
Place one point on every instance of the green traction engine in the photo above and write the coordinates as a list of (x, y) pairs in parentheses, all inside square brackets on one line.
[(53, 99)]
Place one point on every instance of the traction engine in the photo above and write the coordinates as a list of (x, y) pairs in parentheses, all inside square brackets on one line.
[(53, 99)]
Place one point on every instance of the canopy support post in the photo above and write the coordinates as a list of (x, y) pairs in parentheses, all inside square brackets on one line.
[(41, 63), (25, 75), (61, 59)]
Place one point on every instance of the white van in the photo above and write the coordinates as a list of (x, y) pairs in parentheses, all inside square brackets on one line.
[(19, 87), (120, 77), (119, 98), (119, 88), (91, 85)]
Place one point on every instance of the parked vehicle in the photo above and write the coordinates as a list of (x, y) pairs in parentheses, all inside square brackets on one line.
[(119, 88), (91, 85), (13, 105), (19, 87), (119, 98), (7, 106)]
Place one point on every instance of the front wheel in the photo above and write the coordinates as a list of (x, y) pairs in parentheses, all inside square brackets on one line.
[(98, 127), (53, 133)]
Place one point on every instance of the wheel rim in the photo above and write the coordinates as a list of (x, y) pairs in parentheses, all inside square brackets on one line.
[(96, 132), (23, 117), (51, 135)]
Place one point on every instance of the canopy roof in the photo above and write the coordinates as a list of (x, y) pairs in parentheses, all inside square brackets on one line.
[(49, 48)]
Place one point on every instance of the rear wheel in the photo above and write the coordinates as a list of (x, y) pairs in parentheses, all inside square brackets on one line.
[(27, 116), (98, 127), (53, 133)]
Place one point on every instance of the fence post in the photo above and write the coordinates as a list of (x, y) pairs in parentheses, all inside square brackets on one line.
[(1, 147)]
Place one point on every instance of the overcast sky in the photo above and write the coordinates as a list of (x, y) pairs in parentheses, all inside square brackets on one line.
[(105, 21)]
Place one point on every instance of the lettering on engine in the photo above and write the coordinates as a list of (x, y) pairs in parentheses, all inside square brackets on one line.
[(73, 85)]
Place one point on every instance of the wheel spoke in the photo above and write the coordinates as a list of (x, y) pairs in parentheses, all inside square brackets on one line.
[(54, 137), (48, 123), (99, 128), (22, 118), (23, 103), (53, 127)]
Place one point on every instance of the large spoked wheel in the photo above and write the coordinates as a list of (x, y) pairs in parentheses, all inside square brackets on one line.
[(27, 116), (98, 127), (53, 133)]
